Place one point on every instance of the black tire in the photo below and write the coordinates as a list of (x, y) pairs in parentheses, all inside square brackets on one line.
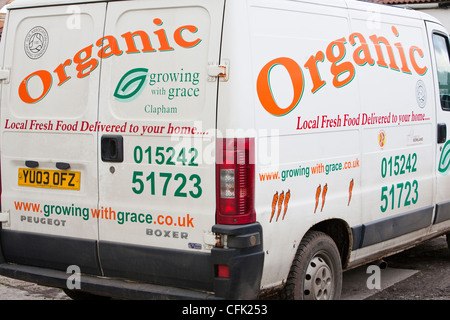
[(316, 273), (448, 240)]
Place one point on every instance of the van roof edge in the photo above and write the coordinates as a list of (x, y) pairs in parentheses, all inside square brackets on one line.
[(19, 4)]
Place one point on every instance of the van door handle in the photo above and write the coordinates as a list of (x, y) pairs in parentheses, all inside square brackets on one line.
[(442, 133), (112, 148)]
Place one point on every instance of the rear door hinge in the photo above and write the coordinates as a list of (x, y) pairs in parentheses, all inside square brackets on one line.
[(216, 70), (4, 218), (4, 75)]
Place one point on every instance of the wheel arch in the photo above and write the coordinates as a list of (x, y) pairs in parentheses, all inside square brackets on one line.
[(341, 234)]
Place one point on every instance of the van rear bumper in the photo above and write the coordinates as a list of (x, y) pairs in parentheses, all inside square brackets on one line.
[(100, 286), (244, 257)]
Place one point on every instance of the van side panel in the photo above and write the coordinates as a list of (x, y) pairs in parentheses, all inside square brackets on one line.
[(396, 89), (285, 156), (351, 102)]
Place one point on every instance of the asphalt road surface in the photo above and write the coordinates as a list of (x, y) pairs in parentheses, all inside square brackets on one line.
[(421, 273), (431, 260)]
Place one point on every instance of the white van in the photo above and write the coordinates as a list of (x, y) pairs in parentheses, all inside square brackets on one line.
[(218, 148)]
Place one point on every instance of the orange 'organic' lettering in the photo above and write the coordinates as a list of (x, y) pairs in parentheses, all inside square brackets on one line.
[(46, 79), (108, 46), (343, 71), (265, 93)]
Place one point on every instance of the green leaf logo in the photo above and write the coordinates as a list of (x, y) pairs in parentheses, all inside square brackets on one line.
[(131, 85), (444, 161)]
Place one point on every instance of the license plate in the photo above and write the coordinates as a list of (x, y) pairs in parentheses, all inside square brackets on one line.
[(54, 179)]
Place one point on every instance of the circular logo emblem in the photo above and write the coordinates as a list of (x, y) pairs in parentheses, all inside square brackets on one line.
[(421, 94), (36, 42), (381, 138)]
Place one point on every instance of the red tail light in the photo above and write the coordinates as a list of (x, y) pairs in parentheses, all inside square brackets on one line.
[(235, 176)]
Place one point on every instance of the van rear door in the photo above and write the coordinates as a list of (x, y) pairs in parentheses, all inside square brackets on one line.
[(157, 164), (49, 166)]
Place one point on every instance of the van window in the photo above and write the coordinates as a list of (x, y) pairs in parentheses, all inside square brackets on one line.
[(441, 48)]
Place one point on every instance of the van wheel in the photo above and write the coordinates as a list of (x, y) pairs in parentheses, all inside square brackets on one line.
[(83, 295), (448, 240), (316, 273)]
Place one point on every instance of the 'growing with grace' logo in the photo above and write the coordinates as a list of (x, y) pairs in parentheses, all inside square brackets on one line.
[(444, 161), (134, 81), (131, 84)]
